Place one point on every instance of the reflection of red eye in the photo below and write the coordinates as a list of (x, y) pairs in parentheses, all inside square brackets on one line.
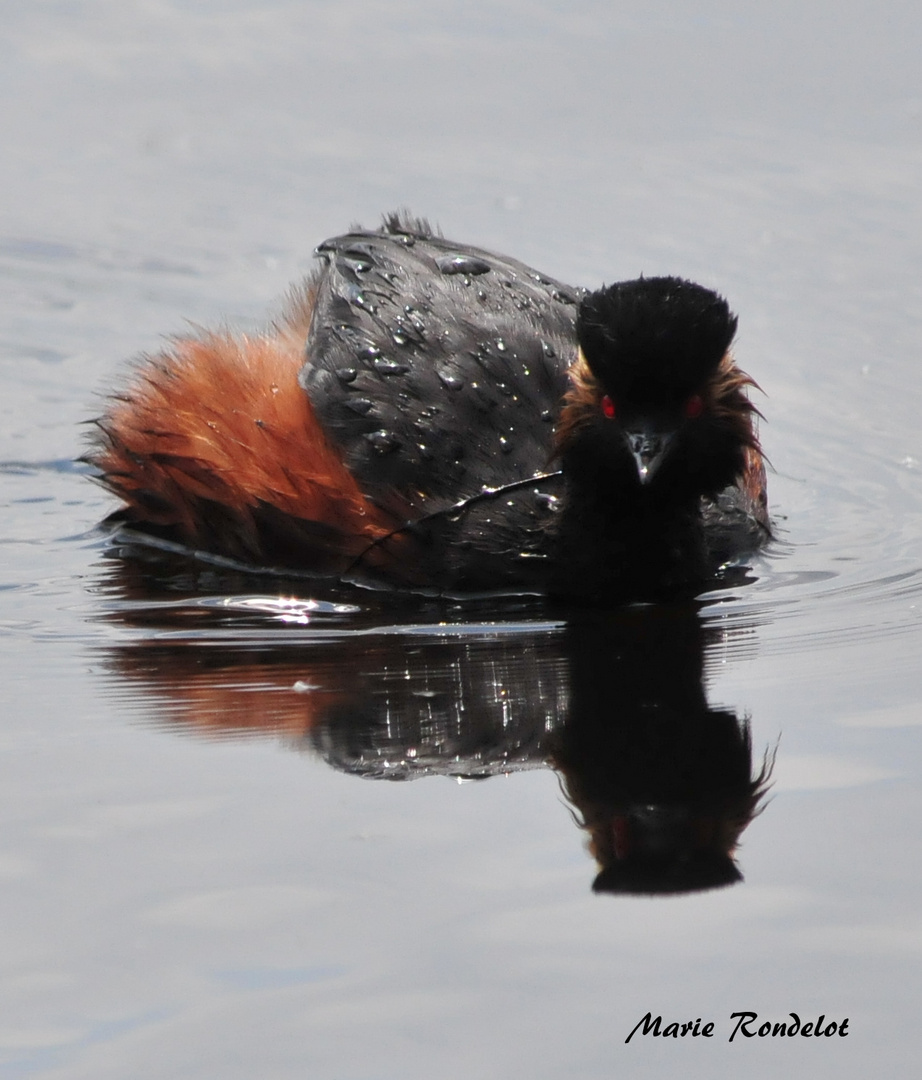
[(694, 407), (608, 408)]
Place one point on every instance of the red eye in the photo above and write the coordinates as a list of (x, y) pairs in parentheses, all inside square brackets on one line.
[(694, 407), (608, 408)]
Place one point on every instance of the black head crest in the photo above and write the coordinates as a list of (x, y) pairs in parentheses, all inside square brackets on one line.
[(654, 335)]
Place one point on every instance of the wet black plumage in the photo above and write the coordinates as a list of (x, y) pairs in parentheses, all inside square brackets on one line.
[(480, 426)]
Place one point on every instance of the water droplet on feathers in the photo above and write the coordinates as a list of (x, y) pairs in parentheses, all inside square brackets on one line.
[(546, 502), (462, 264), (355, 296), (383, 366), (382, 441), (450, 382)]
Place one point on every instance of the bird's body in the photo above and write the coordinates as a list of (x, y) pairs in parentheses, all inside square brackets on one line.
[(437, 416)]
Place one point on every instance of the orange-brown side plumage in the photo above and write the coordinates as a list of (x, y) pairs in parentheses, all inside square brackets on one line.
[(215, 433)]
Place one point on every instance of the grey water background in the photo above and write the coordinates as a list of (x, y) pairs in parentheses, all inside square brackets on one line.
[(235, 907)]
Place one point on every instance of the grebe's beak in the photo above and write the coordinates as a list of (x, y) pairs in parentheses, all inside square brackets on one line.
[(648, 447)]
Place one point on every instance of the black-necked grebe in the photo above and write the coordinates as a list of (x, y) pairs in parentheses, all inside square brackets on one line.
[(437, 416)]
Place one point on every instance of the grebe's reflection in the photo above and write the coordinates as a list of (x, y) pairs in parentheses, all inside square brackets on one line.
[(663, 784), (613, 701)]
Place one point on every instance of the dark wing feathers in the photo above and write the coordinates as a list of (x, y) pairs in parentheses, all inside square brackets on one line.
[(425, 400)]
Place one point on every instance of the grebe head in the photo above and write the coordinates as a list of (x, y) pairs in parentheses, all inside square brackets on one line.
[(655, 397)]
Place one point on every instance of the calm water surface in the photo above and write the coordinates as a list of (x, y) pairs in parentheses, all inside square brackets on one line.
[(215, 863)]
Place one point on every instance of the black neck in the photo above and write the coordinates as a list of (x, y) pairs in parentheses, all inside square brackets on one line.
[(631, 543)]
